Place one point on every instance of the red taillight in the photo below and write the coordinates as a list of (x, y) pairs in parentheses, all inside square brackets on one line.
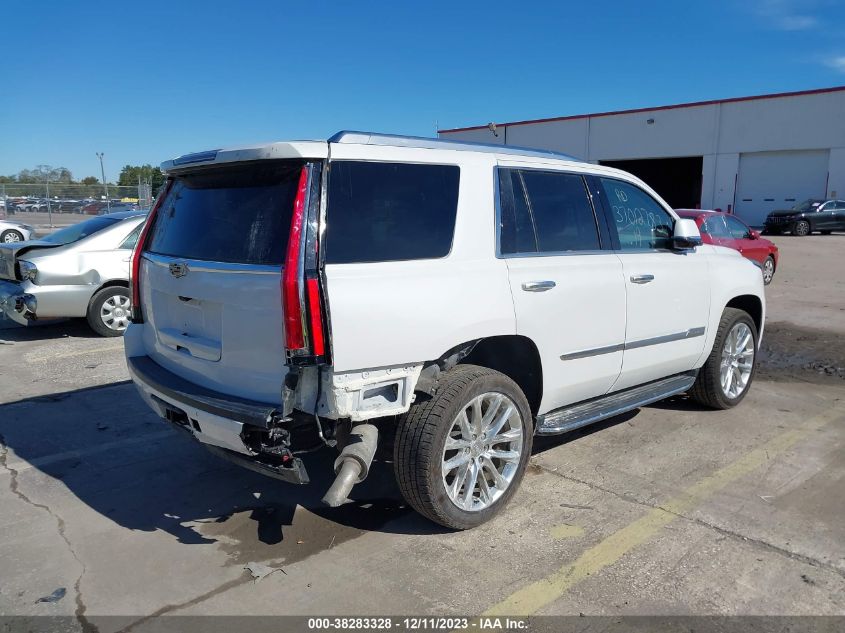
[(291, 304), (302, 301), (318, 344), (135, 277)]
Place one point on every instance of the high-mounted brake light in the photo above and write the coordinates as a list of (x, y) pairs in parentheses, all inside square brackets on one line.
[(135, 272), (302, 300)]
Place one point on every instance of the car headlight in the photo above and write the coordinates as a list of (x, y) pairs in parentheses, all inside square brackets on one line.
[(28, 270)]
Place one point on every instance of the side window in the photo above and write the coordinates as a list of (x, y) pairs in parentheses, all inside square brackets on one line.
[(132, 239), (516, 230), (641, 223), (715, 226), (736, 228), (562, 212), (827, 206), (840, 205), (379, 212)]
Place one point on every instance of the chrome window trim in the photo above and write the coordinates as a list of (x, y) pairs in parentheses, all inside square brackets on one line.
[(207, 266), (647, 342)]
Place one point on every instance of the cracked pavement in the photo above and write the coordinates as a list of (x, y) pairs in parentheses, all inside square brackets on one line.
[(134, 519)]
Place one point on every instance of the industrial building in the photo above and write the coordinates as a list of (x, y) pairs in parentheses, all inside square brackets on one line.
[(747, 154)]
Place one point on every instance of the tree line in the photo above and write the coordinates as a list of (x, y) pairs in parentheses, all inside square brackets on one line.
[(129, 176)]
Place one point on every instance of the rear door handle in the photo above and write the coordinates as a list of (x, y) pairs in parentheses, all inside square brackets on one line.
[(538, 286), (642, 279)]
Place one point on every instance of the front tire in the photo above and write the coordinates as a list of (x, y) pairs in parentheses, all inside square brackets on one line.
[(460, 454), (724, 379), (11, 236), (801, 228), (109, 311)]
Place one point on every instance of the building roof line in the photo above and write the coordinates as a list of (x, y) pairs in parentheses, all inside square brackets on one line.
[(692, 104)]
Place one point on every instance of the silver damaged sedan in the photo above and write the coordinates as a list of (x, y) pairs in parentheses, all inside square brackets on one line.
[(79, 271)]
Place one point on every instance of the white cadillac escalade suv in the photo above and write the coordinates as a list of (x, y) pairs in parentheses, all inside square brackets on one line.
[(453, 299)]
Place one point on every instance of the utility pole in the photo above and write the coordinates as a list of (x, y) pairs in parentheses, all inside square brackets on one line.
[(105, 184), (49, 208)]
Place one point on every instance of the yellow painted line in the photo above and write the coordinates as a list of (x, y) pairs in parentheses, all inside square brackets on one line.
[(537, 595)]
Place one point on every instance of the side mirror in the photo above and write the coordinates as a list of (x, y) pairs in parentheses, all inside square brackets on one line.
[(753, 235), (686, 235)]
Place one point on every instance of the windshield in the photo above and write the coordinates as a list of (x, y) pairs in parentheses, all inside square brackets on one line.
[(78, 231), (806, 205)]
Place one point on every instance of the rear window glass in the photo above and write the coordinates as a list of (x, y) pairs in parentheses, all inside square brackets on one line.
[(380, 212), (234, 214), (76, 232)]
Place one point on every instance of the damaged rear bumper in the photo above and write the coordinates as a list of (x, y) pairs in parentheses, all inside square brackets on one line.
[(17, 305), (230, 427)]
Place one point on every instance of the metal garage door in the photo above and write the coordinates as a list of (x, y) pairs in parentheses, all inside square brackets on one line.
[(777, 180)]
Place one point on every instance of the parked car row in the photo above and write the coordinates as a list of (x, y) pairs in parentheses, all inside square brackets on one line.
[(87, 206)]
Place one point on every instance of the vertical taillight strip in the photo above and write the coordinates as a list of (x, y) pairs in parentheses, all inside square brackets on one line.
[(303, 299), (137, 315), (292, 275)]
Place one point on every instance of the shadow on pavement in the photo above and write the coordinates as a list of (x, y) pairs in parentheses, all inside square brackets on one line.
[(46, 330), (122, 461)]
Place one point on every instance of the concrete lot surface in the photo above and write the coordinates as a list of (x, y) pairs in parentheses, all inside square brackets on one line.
[(667, 510)]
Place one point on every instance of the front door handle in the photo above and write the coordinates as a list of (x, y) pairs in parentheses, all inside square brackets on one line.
[(538, 286), (642, 279)]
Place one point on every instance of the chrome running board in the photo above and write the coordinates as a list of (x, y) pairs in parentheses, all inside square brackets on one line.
[(590, 411)]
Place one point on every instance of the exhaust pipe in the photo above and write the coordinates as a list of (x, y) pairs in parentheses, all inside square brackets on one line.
[(353, 463)]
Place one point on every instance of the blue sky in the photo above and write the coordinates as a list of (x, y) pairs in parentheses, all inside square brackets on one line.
[(146, 81)]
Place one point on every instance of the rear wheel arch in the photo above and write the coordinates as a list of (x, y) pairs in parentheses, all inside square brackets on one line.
[(517, 357)]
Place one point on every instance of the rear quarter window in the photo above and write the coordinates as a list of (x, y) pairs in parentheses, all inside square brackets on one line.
[(380, 212), (233, 214)]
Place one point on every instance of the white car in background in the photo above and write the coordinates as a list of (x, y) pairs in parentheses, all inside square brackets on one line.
[(79, 271), (11, 232)]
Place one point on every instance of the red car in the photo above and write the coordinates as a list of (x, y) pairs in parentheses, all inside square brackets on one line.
[(727, 230)]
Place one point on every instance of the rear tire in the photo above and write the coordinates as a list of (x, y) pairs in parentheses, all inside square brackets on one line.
[(422, 458), (801, 228), (109, 310), (10, 236), (768, 270), (709, 388)]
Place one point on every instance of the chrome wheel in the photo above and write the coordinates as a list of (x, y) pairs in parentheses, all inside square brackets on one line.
[(115, 312), (768, 270), (737, 360), (482, 451), (12, 236)]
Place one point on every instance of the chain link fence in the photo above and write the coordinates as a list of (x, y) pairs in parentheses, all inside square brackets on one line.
[(71, 198)]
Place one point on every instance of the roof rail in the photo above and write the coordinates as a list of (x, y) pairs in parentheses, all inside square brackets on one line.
[(395, 140)]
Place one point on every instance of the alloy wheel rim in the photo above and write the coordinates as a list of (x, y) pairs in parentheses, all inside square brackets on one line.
[(115, 312), (803, 228), (11, 237), (768, 270), (482, 452), (737, 360)]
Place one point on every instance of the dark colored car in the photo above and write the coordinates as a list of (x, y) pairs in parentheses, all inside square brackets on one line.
[(824, 216), (727, 230)]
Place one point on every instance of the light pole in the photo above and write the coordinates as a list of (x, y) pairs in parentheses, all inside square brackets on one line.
[(105, 184)]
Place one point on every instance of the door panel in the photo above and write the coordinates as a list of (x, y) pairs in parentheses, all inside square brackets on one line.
[(578, 324), (667, 317), (667, 292), (568, 293)]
